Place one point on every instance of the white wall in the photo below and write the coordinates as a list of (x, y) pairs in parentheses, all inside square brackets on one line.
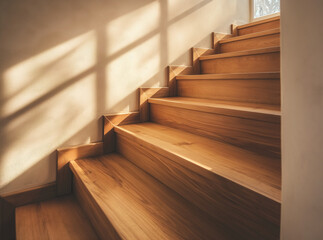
[(64, 63), (302, 120)]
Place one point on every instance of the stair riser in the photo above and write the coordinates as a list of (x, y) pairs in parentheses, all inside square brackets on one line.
[(265, 62), (272, 40), (258, 136), (259, 27), (213, 194), (266, 91)]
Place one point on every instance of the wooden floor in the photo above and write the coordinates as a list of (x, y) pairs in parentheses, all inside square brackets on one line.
[(56, 219), (138, 206)]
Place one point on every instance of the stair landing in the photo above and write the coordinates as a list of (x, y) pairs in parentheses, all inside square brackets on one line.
[(59, 218)]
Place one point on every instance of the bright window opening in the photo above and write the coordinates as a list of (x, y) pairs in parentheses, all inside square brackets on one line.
[(262, 8)]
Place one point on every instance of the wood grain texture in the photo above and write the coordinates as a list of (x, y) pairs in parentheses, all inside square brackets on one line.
[(259, 22), (216, 38), (59, 218), (255, 129), (241, 53), (259, 26), (181, 165), (265, 39), (10, 201), (137, 205), (31, 195), (249, 36), (174, 71), (146, 93), (206, 156), (260, 75), (264, 88), (196, 54), (65, 155), (263, 60), (112, 120), (99, 220), (261, 112)]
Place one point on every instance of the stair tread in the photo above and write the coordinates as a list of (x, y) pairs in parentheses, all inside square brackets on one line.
[(59, 218), (251, 35), (241, 53), (207, 157), (259, 111), (258, 22), (137, 205), (215, 76)]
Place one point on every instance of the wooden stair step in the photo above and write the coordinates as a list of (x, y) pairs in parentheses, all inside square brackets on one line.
[(259, 26), (258, 173), (215, 176), (263, 39), (259, 75), (59, 218), (262, 112), (255, 127), (258, 60), (135, 205), (246, 87)]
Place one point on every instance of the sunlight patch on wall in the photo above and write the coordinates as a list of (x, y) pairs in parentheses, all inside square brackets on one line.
[(178, 7), (38, 132), (130, 71), (37, 76), (132, 26), (183, 36)]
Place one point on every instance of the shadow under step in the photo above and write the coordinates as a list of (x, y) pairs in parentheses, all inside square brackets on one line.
[(240, 189), (255, 127), (59, 218), (251, 61), (124, 202), (263, 39), (244, 87)]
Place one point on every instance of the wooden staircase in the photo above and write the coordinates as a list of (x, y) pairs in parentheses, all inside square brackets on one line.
[(206, 164)]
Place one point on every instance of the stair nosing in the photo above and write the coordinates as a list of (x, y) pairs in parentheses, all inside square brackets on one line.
[(251, 35), (193, 165), (241, 53), (245, 76)]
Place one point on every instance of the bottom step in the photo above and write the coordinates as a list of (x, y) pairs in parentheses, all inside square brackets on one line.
[(59, 218), (124, 202)]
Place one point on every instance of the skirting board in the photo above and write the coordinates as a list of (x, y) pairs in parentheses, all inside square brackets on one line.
[(65, 155), (145, 94), (112, 120), (174, 71)]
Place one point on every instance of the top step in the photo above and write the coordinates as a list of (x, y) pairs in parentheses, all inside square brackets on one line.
[(263, 39), (258, 26)]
